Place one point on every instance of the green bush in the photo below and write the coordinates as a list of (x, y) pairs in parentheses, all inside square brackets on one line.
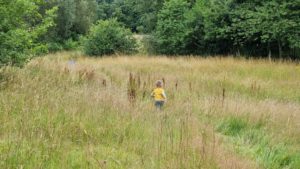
[(22, 26), (109, 37), (149, 44), (68, 45), (40, 49), (71, 44), (54, 46), (15, 47)]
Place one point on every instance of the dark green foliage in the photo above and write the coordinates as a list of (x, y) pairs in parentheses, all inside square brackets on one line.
[(256, 28), (172, 29), (109, 37), (74, 18), (251, 28), (138, 15), (196, 41), (22, 25), (70, 44), (15, 46), (273, 25)]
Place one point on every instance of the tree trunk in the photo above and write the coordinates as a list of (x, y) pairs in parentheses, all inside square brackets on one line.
[(280, 49), (269, 52), (238, 53)]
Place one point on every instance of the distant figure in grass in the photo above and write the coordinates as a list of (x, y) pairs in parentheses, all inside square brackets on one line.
[(159, 95)]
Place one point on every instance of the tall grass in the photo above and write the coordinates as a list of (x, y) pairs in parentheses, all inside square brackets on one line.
[(97, 113)]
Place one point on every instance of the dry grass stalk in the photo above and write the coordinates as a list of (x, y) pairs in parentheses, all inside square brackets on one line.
[(104, 83), (164, 81), (138, 81), (255, 88), (86, 74), (223, 96), (132, 89), (66, 70), (144, 89)]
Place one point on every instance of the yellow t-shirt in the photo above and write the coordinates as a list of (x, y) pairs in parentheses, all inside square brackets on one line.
[(159, 94)]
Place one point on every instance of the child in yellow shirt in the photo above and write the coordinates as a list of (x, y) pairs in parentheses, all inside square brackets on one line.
[(159, 95)]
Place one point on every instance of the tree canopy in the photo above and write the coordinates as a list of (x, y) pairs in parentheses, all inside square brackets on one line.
[(256, 28), (22, 25)]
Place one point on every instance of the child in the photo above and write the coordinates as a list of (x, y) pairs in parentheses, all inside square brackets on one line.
[(159, 95)]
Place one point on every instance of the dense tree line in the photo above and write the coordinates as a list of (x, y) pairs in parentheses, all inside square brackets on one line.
[(242, 27), (264, 28)]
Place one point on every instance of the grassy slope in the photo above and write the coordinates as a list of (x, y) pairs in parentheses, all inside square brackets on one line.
[(221, 113)]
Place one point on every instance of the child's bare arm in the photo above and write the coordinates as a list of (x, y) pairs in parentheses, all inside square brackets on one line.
[(164, 95), (152, 94)]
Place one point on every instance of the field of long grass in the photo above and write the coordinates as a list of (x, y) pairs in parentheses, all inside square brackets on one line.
[(69, 111)]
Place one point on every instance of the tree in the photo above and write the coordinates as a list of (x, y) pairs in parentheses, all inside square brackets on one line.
[(109, 37), (148, 11), (196, 42), (138, 15), (217, 22), (279, 22), (20, 29), (272, 22), (74, 18), (172, 29)]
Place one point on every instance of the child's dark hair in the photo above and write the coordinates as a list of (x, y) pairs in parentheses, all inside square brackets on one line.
[(159, 83)]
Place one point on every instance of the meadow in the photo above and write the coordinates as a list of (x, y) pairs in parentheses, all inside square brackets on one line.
[(66, 110)]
